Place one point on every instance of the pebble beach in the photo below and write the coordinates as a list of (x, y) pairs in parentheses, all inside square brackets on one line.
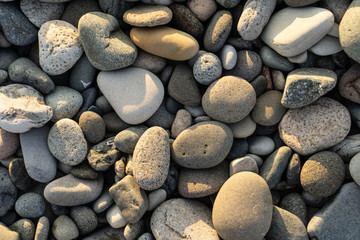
[(179, 119)]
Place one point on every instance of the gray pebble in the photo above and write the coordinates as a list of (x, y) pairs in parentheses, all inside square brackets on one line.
[(82, 74), (8, 192), (7, 57), (30, 205), (25, 228), (84, 218), (261, 145), (134, 230), (64, 228), (18, 174), (207, 68), (103, 155), (248, 65), (42, 229), (274, 60), (218, 31), (126, 140)]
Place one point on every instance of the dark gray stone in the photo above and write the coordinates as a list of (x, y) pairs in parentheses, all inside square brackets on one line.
[(171, 182), (84, 170), (19, 175), (76, 8), (126, 140), (161, 118), (274, 60), (103, 155), (259, 85), (7, 57), (295, 204), (8, 192), (82, 74), (238, 149), (293, 170), (113, 123), (84, 218), (30, 205), (89, 97), (218, 31), (248, 65)]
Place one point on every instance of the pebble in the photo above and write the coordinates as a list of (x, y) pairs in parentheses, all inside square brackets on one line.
[(103, 202), (238, 149), (93, 126), (103, 104), (274, 60), (295, 204), (156, 197), (244, 128), (74, 10), (240, 210), (64, 228), (26, 106), (73, 191), (196, 111), (171, 182), (338, 8), (4, 43), (180, 218), (8, 192), (354, 168), (297, 3), (248, 65), (159, 2), (348, 84), (228, 3), (133, 231), (123, 89), (340, 217), (334, 31), (278, 80), (19, 175), (161, 118), (6, 233), (84, 218), (207, 68), (148, 16), (42, 229), (82, 74), (203, 9), (146, 236), (17, 29), (203, 145), (103, 155), (59, 46), (261, 145), (315, 127), (8, 56), (182, 121), (25, 228), (243, 164), (115, 218), (326, 46), (253, 19), (84, 170), (289, 37), (228, 57), (322, 174), (89, 97), (151, 158), (149, 62), (217, 31), (229, 99), (300, 58), (348, 147), (293, 170), (66, 142), (126, 140), (3, 76), (165, 42), (30, 205), (105, 45), (23, 70), (9, 143), (113, 123)]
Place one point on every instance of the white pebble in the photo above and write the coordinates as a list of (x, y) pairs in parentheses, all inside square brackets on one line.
[(228, 57), (156, 197), (115, 218)]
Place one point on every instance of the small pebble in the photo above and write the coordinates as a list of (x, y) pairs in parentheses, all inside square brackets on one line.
[(64, 228), (261, 145)]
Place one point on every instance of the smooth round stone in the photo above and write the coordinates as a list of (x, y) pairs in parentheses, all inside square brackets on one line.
[(195, 111), (66, 142), (322, 174), (115, 218), (348, 84), (103, 202), (156, 198), (300, 58), (354, 168), (228, 57), (180, 217), (326, 46), (84, 218), (261, 145), (19, 175), (93, 126), (203, 9), (148, 16), (72, 191), (197, 183), (295, 204), (23, 70), (151, 158), (113, 123), (182, 121), (59, 46), (165, 42), (40, 12), (207, 68), (64, 228), (244, 128), (9, 143), (150, 62), (82, 74), (292, 31), (25, 228), (315, 127), (203, 145), (125, 88), (273, 60), (243, 164), (16, 27), (286, 225), (254, 18), (243, 207), (74, 10), (217, 31), (126, 140), (268, 110), (103, 155), (64, 101), (26, 106), (105, 45), (30, 205), (42, 229), (103, 104), (278, 80), (248, 65), (228, 3), (229, 99), (8, 192)]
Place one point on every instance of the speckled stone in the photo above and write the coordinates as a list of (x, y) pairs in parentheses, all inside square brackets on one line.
[(348, 84), (182, 121), (293, 170), (207, 68), (25, 228), (126, 140), (84, 218), (228, 3), (218, 31), (148, 16), (103, 155), (30, 205), (295, 204), (64, 228), (42, 229), (93, 126)]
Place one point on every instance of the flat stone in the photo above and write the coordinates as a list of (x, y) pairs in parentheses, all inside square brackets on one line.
[(326, 46), (217, 31), (315, 127), (19, 175), (349, 84), (8, 192), (134, 93), (203, 145), (9, 143), (241, 211), (59, 46), (73, 191), (22, 108), (30, 205), (248, 65), (182, 218), (165, 42), (64, 228), (106, 46), (274, 60), (244, 128), (288, 31), (93, 126), (103, 155), (207, 68), (203, 9), (148, 16), (82, 74)]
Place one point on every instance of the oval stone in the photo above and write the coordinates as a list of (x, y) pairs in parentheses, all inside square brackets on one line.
[(165, 42), (243, 208), (202, 145), (148, 16), (9, 143)]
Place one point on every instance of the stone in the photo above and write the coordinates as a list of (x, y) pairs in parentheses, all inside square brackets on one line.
[(278, 80), (75, 9), (103, 104), (146, 236), (156, 197), (150, 62), (6, 233), (73, 191), (243, 164), (238, 149), (328, 45), (285, 225), (203, 145), (322, 174), (103, 155), (93, 126), (25, 228), (40, 12), (65, 102), (64, 228), (19, 175), (130, 198), (165, 42), (82, 74), (161, 118), (292, 31), (113, 123), (103, 202), (207, 68), (295, 204), (229, 99), (42, 229), (315, 127), (254, 18), (244, 128), (248, 65), (23, 70), (217, 31), (275, 165), (30, 205), (339, 218), (9, 143), (8, 56), (354, 168), (183, 120), (261, 145), (243, 207), (338, 8), (107, 233), (8, 192), (66, 142), (17, 29), (228, 3), (268, 110), (348, 147), (84, 170), (180, 218), (300, 58), (89, 96), (293, 170), (348, 84), (148, 16), (203, 9), (228, 57), (84, 218), (159, 2), (298, 3), (105, 45), (40, 164), (59, 46), (115, 218), (274, 60), (134, 93), (171, 182), (133, 231), (126, 140)]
